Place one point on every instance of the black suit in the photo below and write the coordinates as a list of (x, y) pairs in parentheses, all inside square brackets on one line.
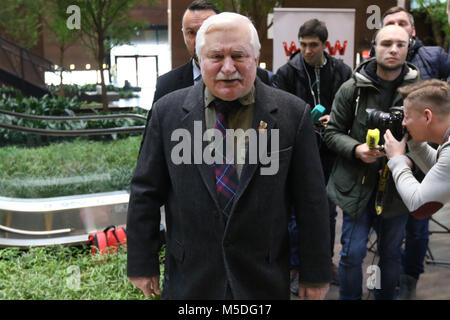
[(178, 78), (249, 252)]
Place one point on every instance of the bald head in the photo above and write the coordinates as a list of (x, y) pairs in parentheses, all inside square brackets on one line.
[(391, 49), (389, 31)]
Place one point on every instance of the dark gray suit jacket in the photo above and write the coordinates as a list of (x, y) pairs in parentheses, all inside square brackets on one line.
[(176, 79), (250, 251)]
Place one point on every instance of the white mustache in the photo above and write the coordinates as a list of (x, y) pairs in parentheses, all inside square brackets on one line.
[(234, 76)]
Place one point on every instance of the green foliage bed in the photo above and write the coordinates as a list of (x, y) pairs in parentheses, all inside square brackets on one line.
[(68, 168), (13, 100), (64, 273)]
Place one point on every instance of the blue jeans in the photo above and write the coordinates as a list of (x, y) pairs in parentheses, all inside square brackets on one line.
[(416, 244), (355, 233)]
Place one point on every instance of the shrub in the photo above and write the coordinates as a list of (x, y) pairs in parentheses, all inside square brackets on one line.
[(65, 273), (77, 91), (52, 106), (68, 168)]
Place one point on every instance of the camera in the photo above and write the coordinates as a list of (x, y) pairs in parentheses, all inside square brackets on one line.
[(391, 120)]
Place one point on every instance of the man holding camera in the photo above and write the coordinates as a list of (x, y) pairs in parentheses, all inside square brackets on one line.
[(355, 184), (427, 118), (433, 63)]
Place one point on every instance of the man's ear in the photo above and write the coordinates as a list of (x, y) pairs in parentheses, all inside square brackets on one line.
[(428, 114), (413, 34)]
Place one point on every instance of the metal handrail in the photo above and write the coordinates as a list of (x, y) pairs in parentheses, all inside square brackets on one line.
[(34, 233), (74, 118), (27, 66), (63, 203), (55, 205), (66, 133), (2, 39), (71, 133)]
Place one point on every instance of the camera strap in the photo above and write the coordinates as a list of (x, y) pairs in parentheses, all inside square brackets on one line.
[(380, 191)]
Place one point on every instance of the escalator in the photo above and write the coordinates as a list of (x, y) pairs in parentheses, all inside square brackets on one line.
[(60, 220), (22, 69)]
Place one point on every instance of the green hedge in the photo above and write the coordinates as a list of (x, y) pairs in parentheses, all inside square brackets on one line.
[(12, 100), (77, 91), (68, 168), (65, 273)]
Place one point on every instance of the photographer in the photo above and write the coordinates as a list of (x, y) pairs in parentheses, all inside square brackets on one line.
[(427, 118), (433, 63), (354, 183)]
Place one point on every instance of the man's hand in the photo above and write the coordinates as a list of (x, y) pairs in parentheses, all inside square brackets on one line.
[(393, 147), (148, 285), (324, 120), (366, 154), (312, 293), (322, 123)]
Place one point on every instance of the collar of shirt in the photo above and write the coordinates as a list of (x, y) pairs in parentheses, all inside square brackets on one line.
[(245, 100), (196, 71), (446, 136)]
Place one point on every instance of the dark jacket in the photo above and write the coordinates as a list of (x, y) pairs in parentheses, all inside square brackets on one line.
[(178, 78), (250, 250), (352, 181), (433, 62), (292, 78)]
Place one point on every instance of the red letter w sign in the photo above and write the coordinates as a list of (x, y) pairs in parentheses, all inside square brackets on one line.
[(337, 48)]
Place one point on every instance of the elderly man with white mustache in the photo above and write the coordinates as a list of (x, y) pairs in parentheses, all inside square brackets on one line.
[(227, 222)]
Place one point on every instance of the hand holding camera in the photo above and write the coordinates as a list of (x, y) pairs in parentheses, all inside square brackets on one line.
[(392, 146), (391, 120)]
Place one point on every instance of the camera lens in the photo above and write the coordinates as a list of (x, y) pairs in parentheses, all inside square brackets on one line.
[(378, 119)]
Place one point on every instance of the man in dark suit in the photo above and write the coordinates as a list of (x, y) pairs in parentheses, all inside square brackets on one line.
[(189, 73), (227, 234), (185, 75)]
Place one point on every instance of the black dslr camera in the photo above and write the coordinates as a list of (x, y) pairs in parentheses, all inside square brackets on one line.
[(391, 120)]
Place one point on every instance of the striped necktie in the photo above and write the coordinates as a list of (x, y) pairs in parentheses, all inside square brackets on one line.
[(227, 179)]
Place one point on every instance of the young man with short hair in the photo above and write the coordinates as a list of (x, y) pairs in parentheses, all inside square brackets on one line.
[(314, 76), (427, 118), (433, 63), (354, 184)]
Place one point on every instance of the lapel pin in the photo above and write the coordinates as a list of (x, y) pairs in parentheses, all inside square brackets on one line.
[(262, 125)]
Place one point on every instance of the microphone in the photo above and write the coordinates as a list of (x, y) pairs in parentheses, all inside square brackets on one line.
[(372, 138), (317, 112)]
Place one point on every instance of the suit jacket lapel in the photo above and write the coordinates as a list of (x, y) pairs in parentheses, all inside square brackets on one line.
[(187, 78), (194, 107), (264, 110)]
